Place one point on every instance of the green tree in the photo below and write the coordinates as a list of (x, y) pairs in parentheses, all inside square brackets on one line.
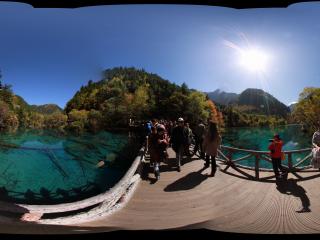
[(307, 110)]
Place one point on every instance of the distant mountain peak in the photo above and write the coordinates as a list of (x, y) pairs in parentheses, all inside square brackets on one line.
[(222, 97), (218, 91), (258, 97), (253, 99), (47, 108)]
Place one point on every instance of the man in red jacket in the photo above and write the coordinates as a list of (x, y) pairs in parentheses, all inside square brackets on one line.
[(276, 149)]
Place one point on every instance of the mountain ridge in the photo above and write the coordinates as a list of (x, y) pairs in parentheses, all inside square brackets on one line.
[(251, 100)]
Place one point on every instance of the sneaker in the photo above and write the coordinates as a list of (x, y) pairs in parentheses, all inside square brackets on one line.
[(303, 210), (156, 168)]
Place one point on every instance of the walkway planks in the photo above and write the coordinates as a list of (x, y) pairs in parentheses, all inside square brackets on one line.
[(227, 202)]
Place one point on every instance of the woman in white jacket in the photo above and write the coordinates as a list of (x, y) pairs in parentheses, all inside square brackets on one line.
[(316, 148)]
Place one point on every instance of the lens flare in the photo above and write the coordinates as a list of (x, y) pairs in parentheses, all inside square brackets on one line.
[(254, 60), (251, 58)]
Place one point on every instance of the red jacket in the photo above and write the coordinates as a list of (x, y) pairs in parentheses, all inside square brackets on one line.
[(276, 148)]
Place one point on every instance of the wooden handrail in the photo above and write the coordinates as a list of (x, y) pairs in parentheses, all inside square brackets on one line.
[(265, 152), (261, 155)]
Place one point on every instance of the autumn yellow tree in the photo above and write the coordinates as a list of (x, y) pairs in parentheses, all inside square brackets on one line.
[(214, 114), (307, 110)]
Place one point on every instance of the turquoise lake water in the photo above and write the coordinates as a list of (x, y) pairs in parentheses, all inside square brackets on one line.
[(46, 167), (258, 139)]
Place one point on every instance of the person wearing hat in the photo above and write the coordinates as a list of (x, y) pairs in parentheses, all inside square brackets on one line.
[(275, 148), (179, 140)]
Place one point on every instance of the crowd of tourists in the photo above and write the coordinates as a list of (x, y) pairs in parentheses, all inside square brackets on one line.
[(178, 134), (206, 140)]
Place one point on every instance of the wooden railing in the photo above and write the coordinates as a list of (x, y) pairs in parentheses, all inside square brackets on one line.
[(227, 155)]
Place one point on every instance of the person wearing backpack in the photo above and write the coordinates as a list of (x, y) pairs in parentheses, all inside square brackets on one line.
[(275, 148), (148, 126), (189, 139), (179, 140)]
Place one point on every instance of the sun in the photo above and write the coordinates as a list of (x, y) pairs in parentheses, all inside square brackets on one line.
[(254, 59)]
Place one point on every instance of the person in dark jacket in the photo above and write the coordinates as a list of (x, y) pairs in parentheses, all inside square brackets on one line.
[(152, 141), (179, 140), (199, 136)]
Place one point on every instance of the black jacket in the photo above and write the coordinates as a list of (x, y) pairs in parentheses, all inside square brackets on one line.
[(179, 137)]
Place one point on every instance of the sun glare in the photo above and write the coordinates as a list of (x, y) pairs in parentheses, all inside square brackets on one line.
[(254, 59)]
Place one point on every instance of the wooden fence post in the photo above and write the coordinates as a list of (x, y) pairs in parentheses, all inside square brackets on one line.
[(290, 161), (257, 165), (229, 156)]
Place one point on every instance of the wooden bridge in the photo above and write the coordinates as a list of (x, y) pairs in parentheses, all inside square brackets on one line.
[(237, 199)]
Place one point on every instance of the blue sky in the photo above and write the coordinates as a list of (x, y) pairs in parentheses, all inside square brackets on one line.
[(47, 54)]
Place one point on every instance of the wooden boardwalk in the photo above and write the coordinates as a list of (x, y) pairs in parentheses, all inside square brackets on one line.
[(229, 202)]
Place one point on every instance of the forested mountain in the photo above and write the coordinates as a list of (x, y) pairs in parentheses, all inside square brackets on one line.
[(129, 93), (262, 102), (46, 108), (292, 106), (222, 97), (251, 100), (16, 113), (125, 93)]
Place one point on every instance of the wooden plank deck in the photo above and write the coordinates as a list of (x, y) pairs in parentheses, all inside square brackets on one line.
[(227, 202)]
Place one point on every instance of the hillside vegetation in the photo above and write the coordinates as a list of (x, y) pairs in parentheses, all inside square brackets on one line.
[(307, 110), (126, 93), (251, 108), (122, 94)]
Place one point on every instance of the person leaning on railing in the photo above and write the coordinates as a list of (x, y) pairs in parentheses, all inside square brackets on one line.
[(275, 148)]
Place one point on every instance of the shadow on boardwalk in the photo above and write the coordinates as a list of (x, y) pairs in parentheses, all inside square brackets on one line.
[(170, 165), (187, 182), (291, 187)]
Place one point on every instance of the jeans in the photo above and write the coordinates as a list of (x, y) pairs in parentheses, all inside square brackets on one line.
[(198, 145), (179, 155), (213, 163), (276, 164)]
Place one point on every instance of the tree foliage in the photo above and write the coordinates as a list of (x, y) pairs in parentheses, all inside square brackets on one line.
[(126, 93), (307, 110)]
